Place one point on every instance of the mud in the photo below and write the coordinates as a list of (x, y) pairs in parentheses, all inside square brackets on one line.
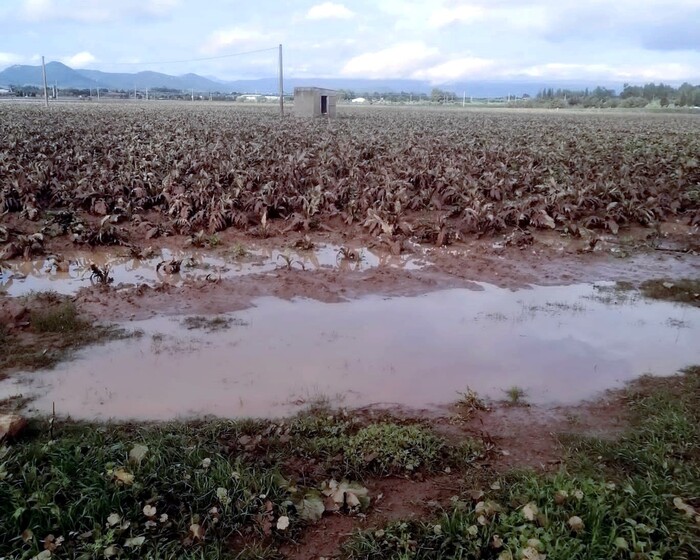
[(67, 273), (560, 345)]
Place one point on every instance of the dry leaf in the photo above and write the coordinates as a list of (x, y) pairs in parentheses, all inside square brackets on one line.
[(530, 553), (121, 476), (530, 511), (283, 523), (137, 453), (310, 507), (149, 511), (576, 523), (134, 542), (197, 531), (682, 506), (113, 519)]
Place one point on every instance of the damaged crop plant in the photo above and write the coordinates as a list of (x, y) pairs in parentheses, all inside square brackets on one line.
[(166, 171)]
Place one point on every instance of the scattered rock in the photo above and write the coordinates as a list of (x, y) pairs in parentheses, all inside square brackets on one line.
[(12, 312), (11, 425)]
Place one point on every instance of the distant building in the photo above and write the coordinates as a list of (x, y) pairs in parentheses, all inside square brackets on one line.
[(358, 100), (5, 91), (315, 102), (250, 98)]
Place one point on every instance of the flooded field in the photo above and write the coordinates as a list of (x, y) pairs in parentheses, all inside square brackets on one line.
[(70, 272), (558, 344)]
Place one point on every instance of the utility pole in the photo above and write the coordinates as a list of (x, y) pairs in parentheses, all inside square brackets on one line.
[(46, 90), (464, 99), (192, 93), (146, 94), (98, 92), (281, 85)]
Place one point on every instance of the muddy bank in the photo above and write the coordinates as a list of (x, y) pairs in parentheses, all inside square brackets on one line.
[(227, 277)]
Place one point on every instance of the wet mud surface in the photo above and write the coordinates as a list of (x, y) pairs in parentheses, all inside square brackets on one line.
[(355, 325)]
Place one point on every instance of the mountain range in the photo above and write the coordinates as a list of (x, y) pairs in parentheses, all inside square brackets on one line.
[(65, 77)]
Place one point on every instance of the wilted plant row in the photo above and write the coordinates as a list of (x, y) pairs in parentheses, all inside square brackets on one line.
[(428, 174)]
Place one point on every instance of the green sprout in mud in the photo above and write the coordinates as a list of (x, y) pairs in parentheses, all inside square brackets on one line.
[(289, 262), (516, 395), (469, 403), (237, 251)]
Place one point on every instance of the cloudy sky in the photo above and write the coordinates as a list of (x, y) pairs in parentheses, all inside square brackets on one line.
[(437, 40)]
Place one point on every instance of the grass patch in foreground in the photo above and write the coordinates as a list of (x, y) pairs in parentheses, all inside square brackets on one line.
[(634, 498), (684, 290), (200, 490), (55, 331), (160, 492)]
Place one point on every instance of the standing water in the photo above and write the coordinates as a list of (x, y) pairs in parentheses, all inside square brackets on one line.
[(559, 344)]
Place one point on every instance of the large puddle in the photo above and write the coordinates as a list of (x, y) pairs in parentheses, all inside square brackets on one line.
[(70, 272), (559, 344)]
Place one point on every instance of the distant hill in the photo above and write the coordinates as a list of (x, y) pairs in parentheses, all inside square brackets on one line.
[(66, 77), (143, 80), (56, 72)]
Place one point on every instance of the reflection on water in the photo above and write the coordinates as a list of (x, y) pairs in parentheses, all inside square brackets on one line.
[(560, 344), (66, 275)]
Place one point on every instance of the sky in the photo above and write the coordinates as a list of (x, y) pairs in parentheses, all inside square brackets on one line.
[(440, 41)]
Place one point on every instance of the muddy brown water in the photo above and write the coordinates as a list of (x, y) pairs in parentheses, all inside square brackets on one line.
[(560, 344), (70, 272)]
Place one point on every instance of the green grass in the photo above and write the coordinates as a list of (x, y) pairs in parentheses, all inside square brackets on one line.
[(613, 499), (681, 291), (60, 318), (516, 395), (55, 331), (209, 324), (71, 486), (383, 448)]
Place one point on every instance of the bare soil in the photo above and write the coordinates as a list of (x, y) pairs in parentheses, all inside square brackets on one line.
[(516, 436)]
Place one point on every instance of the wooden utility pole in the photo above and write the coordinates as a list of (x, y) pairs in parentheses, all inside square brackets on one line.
[(46, 89), (281, 85)]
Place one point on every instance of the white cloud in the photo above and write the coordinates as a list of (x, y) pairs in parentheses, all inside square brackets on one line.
[(79, 60), (7, 59), (397, 61), (94, 11), (466, 14), (236, 37), (563, 71), (329, 10), (456, 69)]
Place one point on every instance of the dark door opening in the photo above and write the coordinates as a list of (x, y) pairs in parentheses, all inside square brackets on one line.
[(324, 104)]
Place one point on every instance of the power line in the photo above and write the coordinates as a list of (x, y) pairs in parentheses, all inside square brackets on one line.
[(193, 59)]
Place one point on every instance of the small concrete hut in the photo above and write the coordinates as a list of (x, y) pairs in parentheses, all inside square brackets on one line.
[(315, 102)]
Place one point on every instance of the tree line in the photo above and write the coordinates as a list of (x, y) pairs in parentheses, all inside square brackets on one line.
[(686, 95)]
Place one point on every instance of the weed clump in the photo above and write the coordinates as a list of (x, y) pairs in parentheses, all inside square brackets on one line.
[(61, 318), (681, 291), (636, 497)]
